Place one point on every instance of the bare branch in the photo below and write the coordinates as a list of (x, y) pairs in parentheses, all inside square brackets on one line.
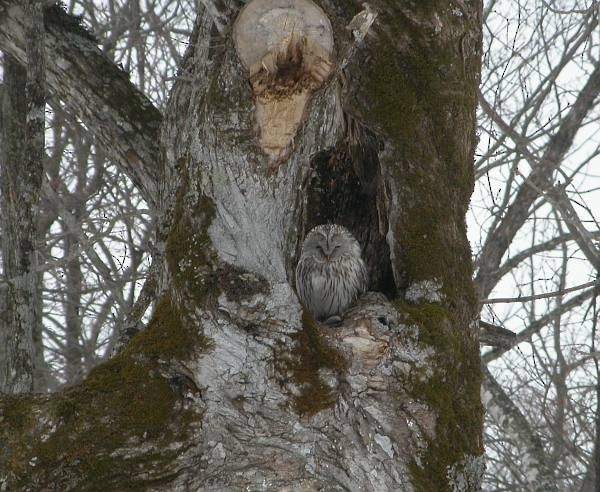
[(496, 336), (501, 237), (539, 323), (545, 295), (92, 87)]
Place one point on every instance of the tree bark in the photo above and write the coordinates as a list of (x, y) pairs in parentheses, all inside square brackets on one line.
[(23, 141), (233, 385), (17, 237), (536, 466), (20, 178)]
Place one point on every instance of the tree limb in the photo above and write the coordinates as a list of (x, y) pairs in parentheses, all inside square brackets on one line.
[(515, 260), (494, 335), (498, 240), (536, 325), (508, 416), (124, 120), (543, 295)]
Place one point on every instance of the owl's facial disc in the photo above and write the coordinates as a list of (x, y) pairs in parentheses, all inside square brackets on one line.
[(329, 250)]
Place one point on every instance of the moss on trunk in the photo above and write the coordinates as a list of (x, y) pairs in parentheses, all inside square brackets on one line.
[(417, 88), (79, 439)]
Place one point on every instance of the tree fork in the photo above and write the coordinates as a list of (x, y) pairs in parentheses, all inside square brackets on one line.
[(252, 392)]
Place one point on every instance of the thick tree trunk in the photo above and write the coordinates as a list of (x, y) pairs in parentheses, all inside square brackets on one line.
[(233, 385)]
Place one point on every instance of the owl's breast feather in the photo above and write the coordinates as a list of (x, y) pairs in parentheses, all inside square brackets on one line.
[(318, 282)]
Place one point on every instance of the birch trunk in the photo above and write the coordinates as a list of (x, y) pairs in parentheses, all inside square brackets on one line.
[(233, 386)]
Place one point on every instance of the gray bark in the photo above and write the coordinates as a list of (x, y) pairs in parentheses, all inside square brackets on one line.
[(19, 180), (73, 328), (21, 170)]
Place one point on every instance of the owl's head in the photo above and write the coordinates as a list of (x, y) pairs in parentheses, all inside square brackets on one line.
[(330, 242)]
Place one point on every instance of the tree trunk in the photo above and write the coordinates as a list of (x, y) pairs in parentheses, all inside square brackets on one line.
[(73, 328), (19, 195), (233, 385), (22, 163)]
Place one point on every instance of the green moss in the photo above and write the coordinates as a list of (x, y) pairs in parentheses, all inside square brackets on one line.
[(421, 96), (309, 354), (238, 284), (451, 391), (168, 336), (189, 251), (120, 400), (16, 410), (197, 272), (123, 401), (16, 416)]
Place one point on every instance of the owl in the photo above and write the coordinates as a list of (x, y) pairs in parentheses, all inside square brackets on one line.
[(331, 274)]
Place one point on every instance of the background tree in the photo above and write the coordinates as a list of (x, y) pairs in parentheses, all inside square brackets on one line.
[(536, 241), (94, 229), (21, 160)]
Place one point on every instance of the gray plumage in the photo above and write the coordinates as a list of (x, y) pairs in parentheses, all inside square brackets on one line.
[(331, 274)]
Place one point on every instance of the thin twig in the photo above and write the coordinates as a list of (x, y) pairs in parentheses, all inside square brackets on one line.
[(556, 293)]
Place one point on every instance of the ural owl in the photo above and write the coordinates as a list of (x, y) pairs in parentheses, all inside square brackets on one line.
[(331, 274)]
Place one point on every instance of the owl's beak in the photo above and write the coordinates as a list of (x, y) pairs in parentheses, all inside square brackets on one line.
[(327, 258)]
